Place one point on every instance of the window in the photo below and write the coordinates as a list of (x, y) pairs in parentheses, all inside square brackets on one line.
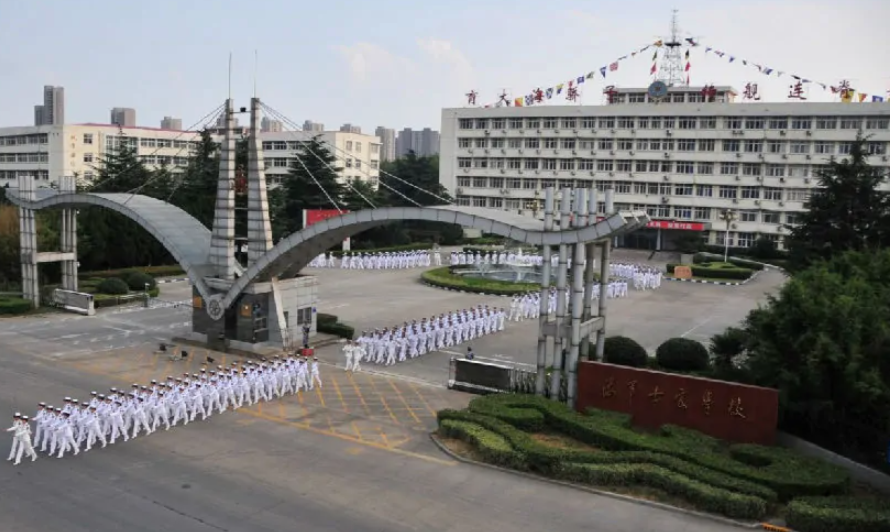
[(567, 164), (707, 122), (686, 145), (729, 168), (797, 194), (687, 122), (585, 164), (683, 190), (87, 138), (751, 169), (685, 167), (798, 170), (876, 148), (826, 122), (791, 218), (768, 217), (724, 238), (733, 123), (480, 143), (515, 123), (625, 144), (704, 191), (729, 192), (531, 164), (605, 144), (498, 123), (463, 143), (750, 193), (625, 123), (548, 164), (775, 170), (636, 98), (732, 146), (533, 123), (643, 122), (824, 148), (702, 213), (753, 146), (622, 187), (465, 123), (87, 157), (587, 145), (775, 146), (588, 123), (642, 144), (464, 181), (802, 123), (497, 143), (705, 169), (604, 166), (358, 145), (706, 145), (532, 144), (514, 163), (462, 162), (642, 166), (666, 167), (654, 145), (683, 213), (746, 240), (607, 123), (695, 98), (479, 202), (551, 123), (148, 143), (655, 122), (551, 144), (568, 144), (495, 163), (772, 194), (747, 216), (755, 122), (480, 182), (569, 123), (477, 163), (624, 166), (844, 148), (667, 145), (668, 122), (851, 123), (348, 145), (800, 147), (514, 143), (877, 122), (778, 123)]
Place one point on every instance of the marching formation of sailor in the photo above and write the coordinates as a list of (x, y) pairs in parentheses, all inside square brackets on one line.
[(411, 340), (381, 260), (77, 426)]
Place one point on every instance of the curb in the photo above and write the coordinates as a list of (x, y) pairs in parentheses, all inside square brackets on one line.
[(720, 283), (175, 280), (618, 496), (425, 283)]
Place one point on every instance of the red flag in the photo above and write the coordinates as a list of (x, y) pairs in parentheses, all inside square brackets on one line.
[(652, 70), (614, 66), (688, 66)]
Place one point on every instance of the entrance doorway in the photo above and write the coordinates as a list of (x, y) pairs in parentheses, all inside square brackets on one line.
[(642, 239)]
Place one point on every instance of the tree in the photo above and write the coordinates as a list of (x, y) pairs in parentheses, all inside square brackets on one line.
[(845, 212), (198, 181), (357, 194), (312, 183), (423, 175), (824, 341)]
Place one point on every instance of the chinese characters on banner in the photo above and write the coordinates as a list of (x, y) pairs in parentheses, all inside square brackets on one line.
[(725, 410), (313, 216)]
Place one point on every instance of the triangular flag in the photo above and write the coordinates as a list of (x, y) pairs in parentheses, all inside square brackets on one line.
[(731, 59), (603, 71), (653, 69), (862, 96), (580, 80), (655, 55), (688, 66), (687, 54), (591, 74), (877, 98), (559, 88), (549, 93), (518, 102), (767, 71), (614, 66)]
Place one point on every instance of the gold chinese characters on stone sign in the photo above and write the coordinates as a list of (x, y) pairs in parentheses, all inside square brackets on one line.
[(609, 387), (656, 395), (736, 409), (680, 398), (631, 388), (707, 400)]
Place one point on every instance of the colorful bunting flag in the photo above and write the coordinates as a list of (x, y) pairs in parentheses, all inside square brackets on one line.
[(877, 98)]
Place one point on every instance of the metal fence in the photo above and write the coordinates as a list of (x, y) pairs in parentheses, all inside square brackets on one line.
[(491, 375)]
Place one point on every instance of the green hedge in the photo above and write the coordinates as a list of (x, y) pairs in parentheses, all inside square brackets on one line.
[(691, 459), (329, 324), (835, 514), (716, 270), (113, 286), (327, 319), (153, 271), (444, 277), (699, 258), (15, 305), (407, 247), (491, 249)]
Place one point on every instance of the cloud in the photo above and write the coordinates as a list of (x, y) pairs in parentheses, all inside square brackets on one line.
[(445, 52), (367, 61)]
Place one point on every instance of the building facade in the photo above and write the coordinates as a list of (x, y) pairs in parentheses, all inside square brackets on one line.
[(123, 116), (171, 123), (267, 125), (313, 127), (350, 128), (52, 112), (49, 152), (387, 138), (688, 163), (424, 143)]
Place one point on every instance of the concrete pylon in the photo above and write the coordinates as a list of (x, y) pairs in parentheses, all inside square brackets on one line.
[(28, 242), (259, 228), (68, 185), (222, 240)]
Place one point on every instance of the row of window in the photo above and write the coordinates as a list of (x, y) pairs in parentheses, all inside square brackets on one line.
[(12, 175), (684, 145), (34, 157), (280, 145), (348, 162), (23, 140), (683, 122), (645, 166), (646, 188)]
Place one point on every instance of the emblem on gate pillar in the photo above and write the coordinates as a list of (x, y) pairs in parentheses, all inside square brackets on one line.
[(214, 307)]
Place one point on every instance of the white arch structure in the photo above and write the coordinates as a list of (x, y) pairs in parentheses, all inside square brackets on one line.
[(188, 240)]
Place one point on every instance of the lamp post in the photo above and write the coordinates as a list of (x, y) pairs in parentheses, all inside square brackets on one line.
[(727, 216)]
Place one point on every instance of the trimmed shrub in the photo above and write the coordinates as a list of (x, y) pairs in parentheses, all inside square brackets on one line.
[(136, 281), (154, 271), (717, 270), (327, 319), (337, 329), (112, 286), (623, 351), (833, 514), (740, 262), (492, 447), (444, 277), (682, 354), (14, 305)]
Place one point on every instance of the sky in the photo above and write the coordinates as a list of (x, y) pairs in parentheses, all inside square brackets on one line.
[(397, 63)]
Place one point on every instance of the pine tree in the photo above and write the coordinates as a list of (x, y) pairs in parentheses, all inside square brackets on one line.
[(422, 173), (312, 183), (197, 183), (847, 211)]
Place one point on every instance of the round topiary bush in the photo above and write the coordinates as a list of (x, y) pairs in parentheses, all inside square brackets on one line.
[(682, 354), (112, 286), (136, 281), (624, 351)]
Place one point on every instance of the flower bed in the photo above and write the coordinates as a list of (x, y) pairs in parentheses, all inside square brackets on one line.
[(716, 270), (445, 277), (740, 481)]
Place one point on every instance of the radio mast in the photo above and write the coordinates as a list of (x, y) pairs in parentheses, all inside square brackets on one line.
[(672, 67)]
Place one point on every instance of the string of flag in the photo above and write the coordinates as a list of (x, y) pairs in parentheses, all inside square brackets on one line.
[(570, 89), (843, 89)]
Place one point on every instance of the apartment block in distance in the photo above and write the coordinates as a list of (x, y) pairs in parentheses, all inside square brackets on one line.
[(423, 143), (123, 116), (685, 161), (387, 143), (52, 111)]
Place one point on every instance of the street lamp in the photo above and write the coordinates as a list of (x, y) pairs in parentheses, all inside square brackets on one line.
[(727, 216)]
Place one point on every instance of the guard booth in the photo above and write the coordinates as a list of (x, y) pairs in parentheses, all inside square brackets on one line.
[(79, 302)]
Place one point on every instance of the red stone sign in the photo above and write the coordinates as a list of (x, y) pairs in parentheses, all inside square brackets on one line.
[(725, 410)]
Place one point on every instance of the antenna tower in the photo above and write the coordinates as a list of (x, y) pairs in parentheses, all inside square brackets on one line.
[(672, 68)]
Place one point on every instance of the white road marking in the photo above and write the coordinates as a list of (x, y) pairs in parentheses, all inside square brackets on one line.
[(700, 324)]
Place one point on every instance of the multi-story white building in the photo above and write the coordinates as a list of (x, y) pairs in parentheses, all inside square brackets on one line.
[(686, 162), (48, 152)]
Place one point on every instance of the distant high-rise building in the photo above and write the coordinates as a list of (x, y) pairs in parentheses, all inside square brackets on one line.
[(423, 143), (313, 127), (174, 124), (349, 128), (52, 112), (387, 143), (123, 116), (267, 125)]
